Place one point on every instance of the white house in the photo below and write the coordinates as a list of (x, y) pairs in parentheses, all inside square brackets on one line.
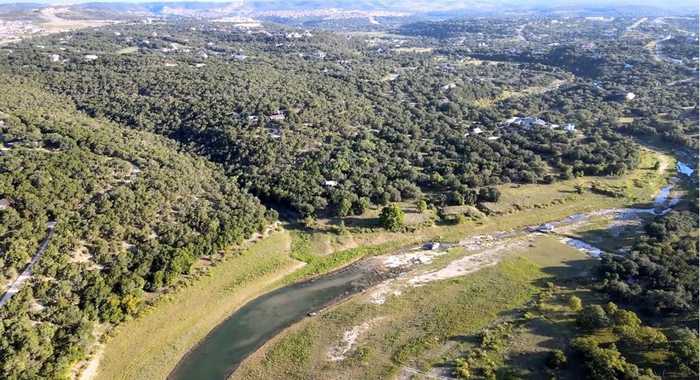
[(569, 127), (277, 116), (90, 57), (630, 96), (329, 183)]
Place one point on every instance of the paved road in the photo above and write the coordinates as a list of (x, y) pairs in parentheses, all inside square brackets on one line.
[(27, 273)]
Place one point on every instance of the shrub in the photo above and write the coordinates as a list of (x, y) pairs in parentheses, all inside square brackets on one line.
[(392, 217), (556, 359), (575, 303), (592, 317)]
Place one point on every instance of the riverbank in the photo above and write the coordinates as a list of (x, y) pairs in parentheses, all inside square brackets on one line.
[(155, 342), (419, 317), (362, 338)]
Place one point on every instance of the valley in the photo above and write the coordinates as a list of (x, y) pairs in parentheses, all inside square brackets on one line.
[(260, 190)]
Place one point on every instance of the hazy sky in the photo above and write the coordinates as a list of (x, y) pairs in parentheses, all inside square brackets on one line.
[(667, 4)]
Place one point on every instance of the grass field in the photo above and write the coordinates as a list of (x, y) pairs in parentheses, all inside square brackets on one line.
[(155, 341), (417, 328)]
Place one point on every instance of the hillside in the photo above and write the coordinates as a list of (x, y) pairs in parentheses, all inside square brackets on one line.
[(131, 215)]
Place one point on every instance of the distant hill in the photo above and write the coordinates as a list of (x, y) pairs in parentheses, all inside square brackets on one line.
[(326, 8)]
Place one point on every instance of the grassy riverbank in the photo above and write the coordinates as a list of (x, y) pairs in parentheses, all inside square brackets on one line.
[(156, 341), (415, 329)]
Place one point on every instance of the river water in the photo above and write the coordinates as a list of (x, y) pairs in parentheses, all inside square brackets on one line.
[(222, 351)]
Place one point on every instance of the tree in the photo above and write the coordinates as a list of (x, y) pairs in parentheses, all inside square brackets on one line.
[(456, 198), (344, 207), (489, 194), (556, 359), (592, 317), (392, 217), (685, 348), (360, 205), (575, 303), (422, 206)]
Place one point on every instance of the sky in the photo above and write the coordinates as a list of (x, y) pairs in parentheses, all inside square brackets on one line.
[(666, 4)]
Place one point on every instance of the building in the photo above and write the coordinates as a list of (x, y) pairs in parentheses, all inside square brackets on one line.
[(569, 127), (477, 131), (54, 57), (630, 96), (90, 57), (545, 228), (526, 122), (277, 116), (4, 203), (329, 183)]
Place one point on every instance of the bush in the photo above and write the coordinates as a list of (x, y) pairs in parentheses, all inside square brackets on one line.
[(392, 217), (592, 317), (575, 303), (556, 359)]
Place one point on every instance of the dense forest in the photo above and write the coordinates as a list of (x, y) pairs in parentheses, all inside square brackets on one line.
[(313, 121), (661, 271), (131, 212)]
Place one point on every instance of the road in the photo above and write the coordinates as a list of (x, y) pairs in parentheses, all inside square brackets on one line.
[(636, 24), (27, 273)]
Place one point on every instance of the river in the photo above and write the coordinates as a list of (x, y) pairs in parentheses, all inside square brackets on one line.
[(222, 351), (247, 329)]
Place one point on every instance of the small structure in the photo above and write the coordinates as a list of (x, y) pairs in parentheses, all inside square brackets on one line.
[(569, 127), (329, 183), (240, 57), (545, 228), (277, 116), (432, 246), (4, 204), (54, 57), (90, 57), (477, 131), (630, 96), (526, 122)]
